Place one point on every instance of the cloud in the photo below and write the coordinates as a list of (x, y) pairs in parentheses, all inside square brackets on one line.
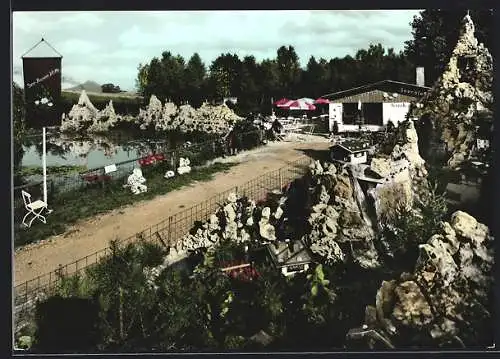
[(45, 21), (79, 47), (108, 46)]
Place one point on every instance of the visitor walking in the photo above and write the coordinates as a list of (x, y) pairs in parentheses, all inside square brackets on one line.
[(231, 142), (276, 129)]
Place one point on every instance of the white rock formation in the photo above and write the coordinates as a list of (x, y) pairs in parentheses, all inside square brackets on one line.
[(460, 95), (338, 227), (84, 116), (184, 166), (151, 115), (237, 214), (169, 174), (135, 182)]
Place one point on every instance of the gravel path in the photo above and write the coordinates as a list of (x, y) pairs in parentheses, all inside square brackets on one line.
[(94, 234)]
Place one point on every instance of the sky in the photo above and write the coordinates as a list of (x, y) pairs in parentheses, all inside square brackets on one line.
[(107, 47)]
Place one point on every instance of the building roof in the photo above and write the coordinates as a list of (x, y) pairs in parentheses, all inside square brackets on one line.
[(352, 146), (288, 254), (374, 92)]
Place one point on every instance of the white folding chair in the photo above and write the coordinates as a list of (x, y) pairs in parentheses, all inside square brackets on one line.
[(34, 208)]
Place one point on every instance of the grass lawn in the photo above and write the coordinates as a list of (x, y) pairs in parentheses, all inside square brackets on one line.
[(87, 202)]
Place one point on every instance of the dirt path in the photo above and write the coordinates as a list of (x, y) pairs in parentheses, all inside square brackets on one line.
[(91, 235)]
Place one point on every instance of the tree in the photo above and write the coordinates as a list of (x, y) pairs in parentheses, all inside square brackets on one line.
[(314, 78), (141, 81), (152, 81), (225, 74), (172, 82), (194, 75), (289, 70), (18, 127), (249, 97), (370, 63), (435, 34), (268, 82)]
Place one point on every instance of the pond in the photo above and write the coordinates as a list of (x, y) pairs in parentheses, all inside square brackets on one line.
[(92, 151), (74, 153)]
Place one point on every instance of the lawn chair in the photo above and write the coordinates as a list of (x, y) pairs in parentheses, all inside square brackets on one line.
[(34, 208)]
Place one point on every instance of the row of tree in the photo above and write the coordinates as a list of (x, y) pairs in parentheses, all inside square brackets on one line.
[(255, 84)]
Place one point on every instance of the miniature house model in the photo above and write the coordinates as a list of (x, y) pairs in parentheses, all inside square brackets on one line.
[(350, 152), (290, 257)]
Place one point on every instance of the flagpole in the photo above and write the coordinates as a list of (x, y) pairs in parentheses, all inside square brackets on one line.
[(44, 165)]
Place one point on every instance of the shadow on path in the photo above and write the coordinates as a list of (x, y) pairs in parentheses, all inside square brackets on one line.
[(317, 155)]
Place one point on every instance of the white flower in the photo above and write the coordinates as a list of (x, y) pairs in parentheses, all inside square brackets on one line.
[(44, 100), (49, 104), (37, 102)]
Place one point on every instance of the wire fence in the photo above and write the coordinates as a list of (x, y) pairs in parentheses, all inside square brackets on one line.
[(79, 183), (167, 232)]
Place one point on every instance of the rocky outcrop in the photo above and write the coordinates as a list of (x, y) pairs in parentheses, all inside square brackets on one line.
[(81, 115), (151, 114), (215, 119), (239, 220), (84, 116), (407, 148), (404, 175), (340, 230), (444, 302), (461, 96)]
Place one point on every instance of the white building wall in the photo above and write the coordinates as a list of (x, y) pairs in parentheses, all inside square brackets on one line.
[(395, 112), (355, 128), (334, 114), (391, 111)]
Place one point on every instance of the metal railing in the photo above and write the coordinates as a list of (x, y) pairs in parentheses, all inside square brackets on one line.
[(167, 232)]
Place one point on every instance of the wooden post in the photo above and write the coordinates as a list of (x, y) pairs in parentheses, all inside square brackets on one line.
[(170, 231)]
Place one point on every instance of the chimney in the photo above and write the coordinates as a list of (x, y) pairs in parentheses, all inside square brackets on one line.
[(420, 76)]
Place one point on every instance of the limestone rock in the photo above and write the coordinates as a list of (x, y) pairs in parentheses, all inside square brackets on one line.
[(266, 230), (447, 296), (461, 96), (411, 307), (381, 166), (329, 250)]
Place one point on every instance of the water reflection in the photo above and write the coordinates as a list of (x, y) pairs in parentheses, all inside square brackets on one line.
[(94, 151)]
